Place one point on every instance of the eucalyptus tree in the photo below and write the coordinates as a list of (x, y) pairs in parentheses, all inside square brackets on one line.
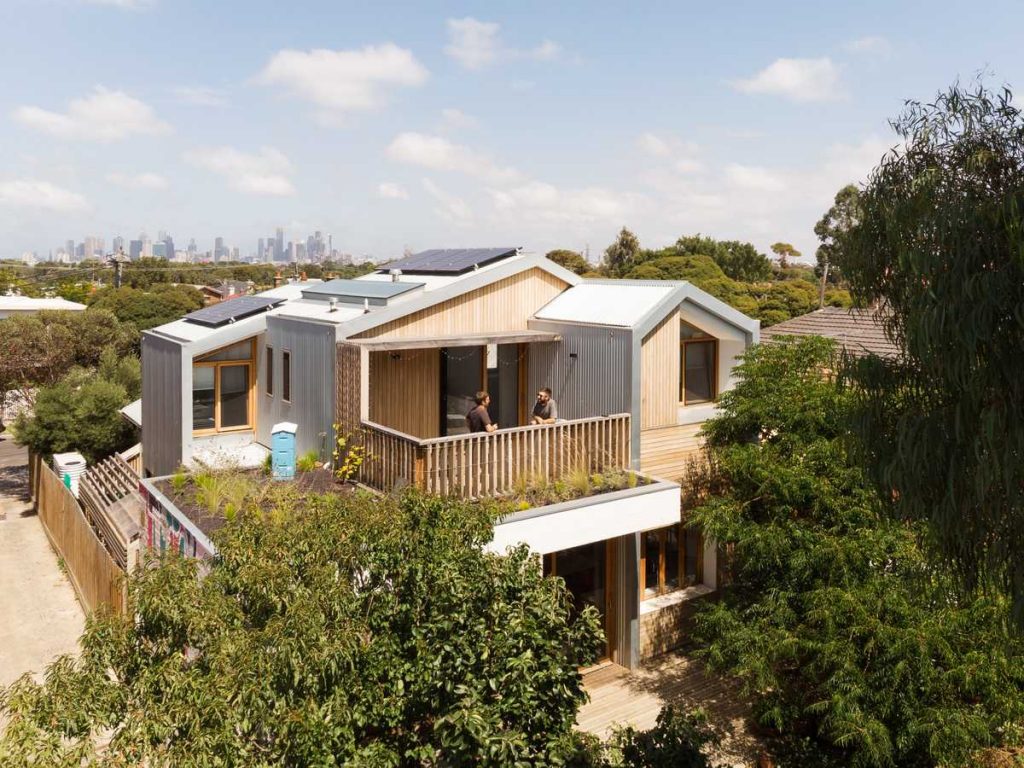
[(940, 245)]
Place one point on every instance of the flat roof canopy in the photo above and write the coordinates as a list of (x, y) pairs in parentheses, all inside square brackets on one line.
[(465, 340)]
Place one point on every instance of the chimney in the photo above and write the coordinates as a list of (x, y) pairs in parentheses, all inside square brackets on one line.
[(277, 279), (302, 276), (334, 305), (396, 275)]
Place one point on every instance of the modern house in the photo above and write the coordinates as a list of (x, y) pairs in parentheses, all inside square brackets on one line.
[(224, 290), (394, 357)]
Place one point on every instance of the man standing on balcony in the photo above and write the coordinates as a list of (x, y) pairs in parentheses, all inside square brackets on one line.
[(478, 419), (545, 411)]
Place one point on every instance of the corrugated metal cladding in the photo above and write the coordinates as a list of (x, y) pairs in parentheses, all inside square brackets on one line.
[(311, 405), (596, 382), (161, 405)]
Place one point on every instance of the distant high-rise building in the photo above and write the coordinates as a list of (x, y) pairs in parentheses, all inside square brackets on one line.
[(219, 251), (279, 244), (92, 246), (69, 249), (293, 255), (168, 242), (160, 249), (135, 250), (117, 244), (147, 248), (259, 250)]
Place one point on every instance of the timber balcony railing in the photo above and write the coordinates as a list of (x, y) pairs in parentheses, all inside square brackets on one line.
[(493, 463)]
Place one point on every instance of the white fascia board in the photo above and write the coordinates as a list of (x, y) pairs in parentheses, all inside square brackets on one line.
[(472, 282), (585, 521)]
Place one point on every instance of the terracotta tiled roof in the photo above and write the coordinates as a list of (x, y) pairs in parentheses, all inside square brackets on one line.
[(858, 331)]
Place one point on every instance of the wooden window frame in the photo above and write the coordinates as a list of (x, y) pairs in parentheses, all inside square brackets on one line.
[(662, 588), (217, 365), (286, 375), (268, 370), (682, 370)]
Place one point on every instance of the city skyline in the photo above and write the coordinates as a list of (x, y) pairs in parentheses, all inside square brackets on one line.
[(421, 127)]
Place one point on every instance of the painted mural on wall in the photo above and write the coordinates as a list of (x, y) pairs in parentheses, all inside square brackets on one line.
[(165, 531)]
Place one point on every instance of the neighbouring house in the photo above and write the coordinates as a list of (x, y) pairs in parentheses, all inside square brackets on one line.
[(859, 332), (25, 305), (394, 357), (224, 290)]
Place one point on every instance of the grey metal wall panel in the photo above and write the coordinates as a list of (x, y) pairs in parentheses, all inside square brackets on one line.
[(161, 405), (312, 348), (589, 371)]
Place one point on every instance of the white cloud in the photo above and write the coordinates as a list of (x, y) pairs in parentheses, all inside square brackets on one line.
[(389, 190), (138, 180), (344, 81), (872, 45), (104, 115), (680, 155), (31, 193), (754, 178), (475, 44), (200, 95), (541, 200), (128, 5), (260, 173), (851, 163), (801, 80), (456, 119), (450, 207), (440, 154)]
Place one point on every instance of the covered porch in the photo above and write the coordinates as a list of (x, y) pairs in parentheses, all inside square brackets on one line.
[(407, 399)]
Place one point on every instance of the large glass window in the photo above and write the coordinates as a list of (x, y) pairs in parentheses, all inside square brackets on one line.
[(584, 571), (670, 558), (698, 353), (222, 388)]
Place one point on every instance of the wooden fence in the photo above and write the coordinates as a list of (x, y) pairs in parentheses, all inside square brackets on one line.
[(491, 464), (93, 573)]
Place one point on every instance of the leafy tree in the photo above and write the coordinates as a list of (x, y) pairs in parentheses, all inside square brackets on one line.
[(81, 412), (571, 260), (148, 309), (740, 261), (833, 227), (332, 630), (785, 252), (940, 243), (39, 349), (834, 618), (696, 269), (620, 255)]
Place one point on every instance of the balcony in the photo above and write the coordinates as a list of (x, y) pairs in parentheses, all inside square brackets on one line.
[(483, 464)]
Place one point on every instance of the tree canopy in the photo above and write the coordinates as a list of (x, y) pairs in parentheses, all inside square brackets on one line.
[(832, 227), (81, 412), (834, 618), (940, 244), (163, 303), (571, 260), (331, 630), (622, 253)]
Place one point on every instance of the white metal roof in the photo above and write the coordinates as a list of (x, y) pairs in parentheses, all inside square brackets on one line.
[(621, 305), (133, 412), (28, 304)]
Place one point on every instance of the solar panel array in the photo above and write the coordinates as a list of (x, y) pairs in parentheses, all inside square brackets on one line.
[(231, 310), (376, 291), (450, 261)]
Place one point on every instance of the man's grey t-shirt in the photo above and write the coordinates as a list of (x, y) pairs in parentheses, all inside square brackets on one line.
[(548, 410)]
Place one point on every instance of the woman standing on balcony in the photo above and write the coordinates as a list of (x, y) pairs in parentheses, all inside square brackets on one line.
[(478, 419)]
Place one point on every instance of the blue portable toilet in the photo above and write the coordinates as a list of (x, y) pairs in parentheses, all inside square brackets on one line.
[(282, 450)]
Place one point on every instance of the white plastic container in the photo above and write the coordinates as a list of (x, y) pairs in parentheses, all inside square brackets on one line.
[(69, 468)]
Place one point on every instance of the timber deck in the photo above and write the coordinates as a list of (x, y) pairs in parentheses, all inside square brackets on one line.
[(619, 697)]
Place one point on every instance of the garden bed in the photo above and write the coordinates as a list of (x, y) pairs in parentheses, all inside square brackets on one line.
[(209, 498), (576, 485)]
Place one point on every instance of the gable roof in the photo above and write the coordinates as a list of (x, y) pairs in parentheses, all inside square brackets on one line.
[(858, 331), (638, 304)]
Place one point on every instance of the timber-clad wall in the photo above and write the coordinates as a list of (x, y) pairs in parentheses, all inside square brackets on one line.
[(659, 375), (665, 452), (347, 378), (504, 305), (405, 390)]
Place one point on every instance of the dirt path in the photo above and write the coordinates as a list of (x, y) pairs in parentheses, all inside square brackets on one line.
[(40, 617)]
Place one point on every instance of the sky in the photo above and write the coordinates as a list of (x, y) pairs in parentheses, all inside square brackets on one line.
[(417, 125)]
